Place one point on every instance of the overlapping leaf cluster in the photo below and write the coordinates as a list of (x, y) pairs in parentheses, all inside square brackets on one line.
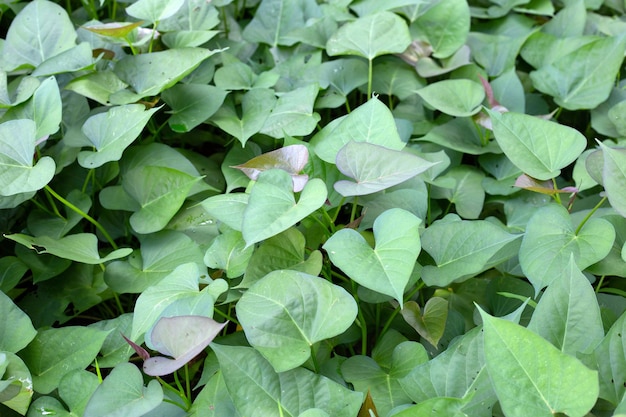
[(313, 208)]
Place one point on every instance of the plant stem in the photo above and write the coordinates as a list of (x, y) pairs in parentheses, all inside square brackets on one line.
[(588, 216), (600, 284), (84, 215), (225, 315), (361, 319), (369, 79), (557, 196), (188, 385), (354, 207)]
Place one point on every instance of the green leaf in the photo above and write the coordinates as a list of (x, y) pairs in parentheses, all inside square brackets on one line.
[(248, 375), (40, 31), (568, 315), (430, 324), (285, 313), (55, 352), (464, 248), (386, 268), (368, 376), (16, 330), (181, 283), (192, 104), (538, 147), (122, 393), (256, 106), (293, 113), (272, 207), (370, 36), (435, 407), (463, 187), (461, 134), (42, 223), (81, 247), (160, 193), (97, 86), (160, 253), (614, 177), (12, 270), (460, 98), (547, 381), (229, 253), (444, 25), (551, 239), (228, 208), (371, 122), (610, 358), (496, 53), (18, 174), (575, 81), (17, 382), (154, 10), (458, 372), (75, 389), (44, 108), (214, 400), (285, 250), (375, 168), (112, 132), (149, 74), (274, 20)]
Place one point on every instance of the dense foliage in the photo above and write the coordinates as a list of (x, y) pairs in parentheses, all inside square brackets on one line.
[(312, 208)]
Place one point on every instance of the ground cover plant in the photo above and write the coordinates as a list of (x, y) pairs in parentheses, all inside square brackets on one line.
[(312, 208)]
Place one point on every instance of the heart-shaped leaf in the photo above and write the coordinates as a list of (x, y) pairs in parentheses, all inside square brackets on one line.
[(551, 239), (375, 168), (16, 383), (272, 207), (463, 248), (293, 113), (291, 158), (386, 268), (228, 208), (432, 322), (460, 98), (256, 106), (547, 381), (538, 147), (229, 252), (248, 375), (112, 132), (286, 250), (285, 313), (81, 247), (154, 10), (371, 122), (18, 174), (614, 177), (122, 393), (568, 314), (611, 362), (192, 104), (371, 36), (181, 337)]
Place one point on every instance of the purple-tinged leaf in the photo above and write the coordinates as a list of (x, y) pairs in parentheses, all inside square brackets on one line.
[(143, 354)]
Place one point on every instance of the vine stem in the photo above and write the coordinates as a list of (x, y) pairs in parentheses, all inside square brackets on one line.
[(83, 215), (588, 216), (369, 79)]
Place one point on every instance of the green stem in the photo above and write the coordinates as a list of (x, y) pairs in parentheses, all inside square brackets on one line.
[(118, 303), (343, 199), (369, 79), (331, 222), (83, 215), (347, 105), (557, 196), (54, 206), (316, 366), (588, 216), (225, 315), (188, 386), (361, 320), (354, 207), (600, 284)]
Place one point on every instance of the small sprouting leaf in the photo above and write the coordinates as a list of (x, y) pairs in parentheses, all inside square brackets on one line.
[(432, 322), (375, 168), (290, 158), (538, 147), (460, 98), (551, 238), (371, 36), (287, 312), (181, 337), (122, 393), (81, 247), (386, 268), (547, 381), (272, 207)]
